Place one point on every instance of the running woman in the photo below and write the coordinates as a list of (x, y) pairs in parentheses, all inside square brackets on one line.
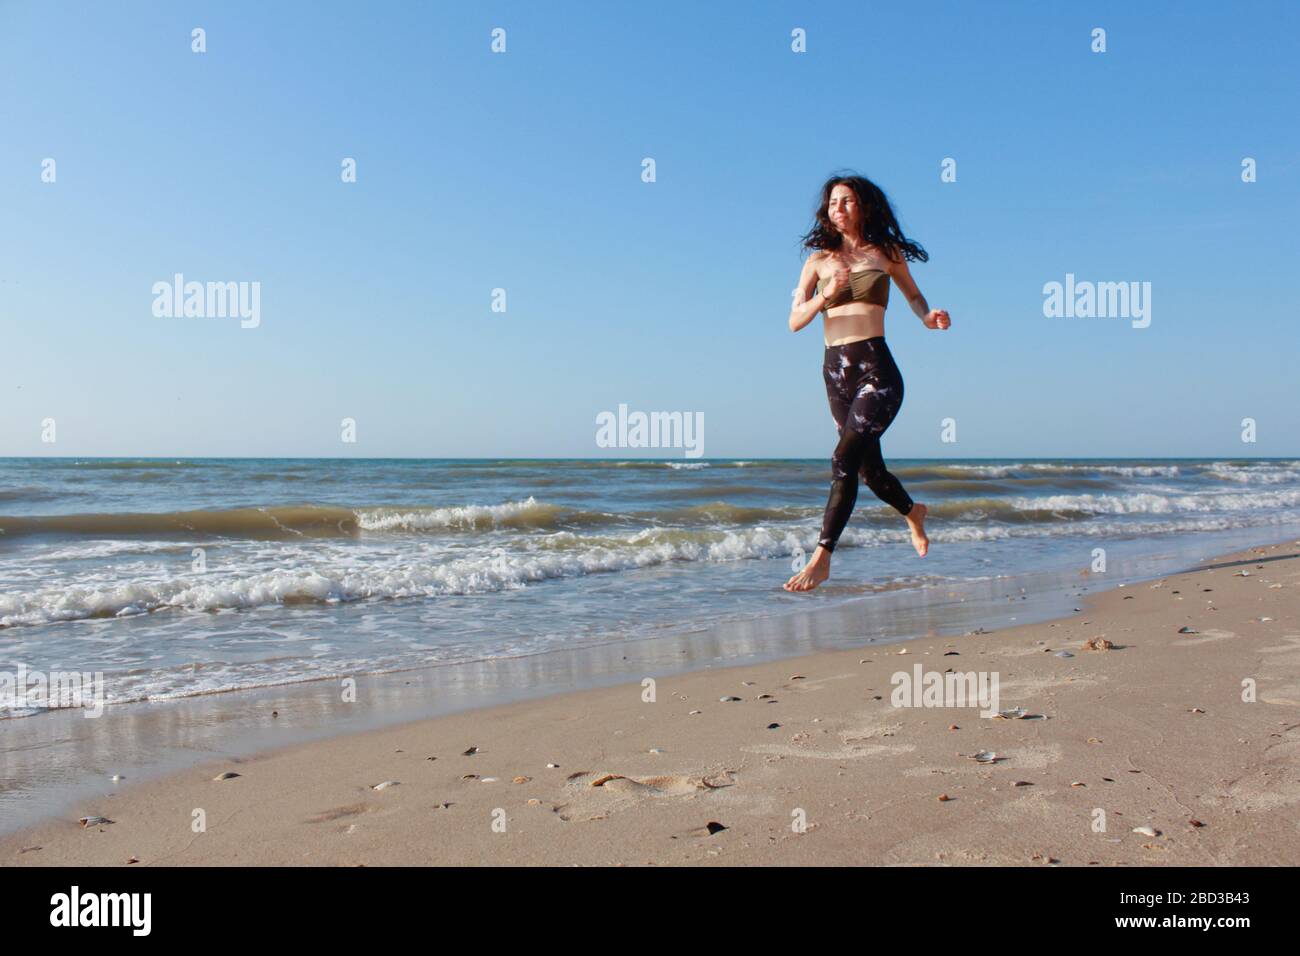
[(859, 248)]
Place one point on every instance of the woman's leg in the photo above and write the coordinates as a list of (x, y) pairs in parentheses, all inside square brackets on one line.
[(881, 399), (818, 568), (846, 461)]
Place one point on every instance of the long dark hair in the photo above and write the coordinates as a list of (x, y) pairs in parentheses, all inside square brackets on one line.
[(879, 225)]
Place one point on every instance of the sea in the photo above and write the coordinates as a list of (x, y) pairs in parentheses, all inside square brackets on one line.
[(176, 578)]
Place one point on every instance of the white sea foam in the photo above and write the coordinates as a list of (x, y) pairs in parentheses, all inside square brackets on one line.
[(1153, 503), (462, 516)]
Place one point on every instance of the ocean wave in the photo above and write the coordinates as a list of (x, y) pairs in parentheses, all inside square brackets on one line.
[(116, 463), (292, 521), (29, 493), (1266, 473), (1025, 469), (529, 513), (536, 559), (337, 583), (1151, 503)]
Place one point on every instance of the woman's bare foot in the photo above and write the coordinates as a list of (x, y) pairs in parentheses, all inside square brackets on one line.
[(817, 570), (916, 522)]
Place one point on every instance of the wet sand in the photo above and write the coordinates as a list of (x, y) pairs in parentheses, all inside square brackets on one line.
[(814, 764)]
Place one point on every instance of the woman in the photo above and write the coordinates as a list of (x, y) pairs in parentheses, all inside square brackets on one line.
[(859, 249)]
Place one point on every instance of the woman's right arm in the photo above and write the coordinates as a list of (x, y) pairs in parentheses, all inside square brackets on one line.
[(805, 309)]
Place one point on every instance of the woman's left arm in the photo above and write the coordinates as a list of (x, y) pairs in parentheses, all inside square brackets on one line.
[(930, 318)]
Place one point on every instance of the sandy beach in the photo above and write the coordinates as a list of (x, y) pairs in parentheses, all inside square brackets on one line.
[(812, 764)]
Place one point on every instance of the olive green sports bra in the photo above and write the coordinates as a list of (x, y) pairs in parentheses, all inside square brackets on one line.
[(865, 285)]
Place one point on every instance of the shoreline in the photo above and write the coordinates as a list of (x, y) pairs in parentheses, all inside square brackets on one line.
[(51, 761), (843, 758)]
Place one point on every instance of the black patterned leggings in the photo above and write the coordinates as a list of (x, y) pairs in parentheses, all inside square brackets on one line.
[(865, 390)]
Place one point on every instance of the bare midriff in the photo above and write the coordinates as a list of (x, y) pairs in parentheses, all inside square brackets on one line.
[(853, 322)]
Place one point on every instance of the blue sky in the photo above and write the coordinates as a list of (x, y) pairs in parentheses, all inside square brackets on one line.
[(522, 171)]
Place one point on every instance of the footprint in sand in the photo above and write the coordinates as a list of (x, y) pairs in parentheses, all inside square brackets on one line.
[(1203, 637), (594, 796), (872, 736), (1288, 695), (1292, 646), (804, 684), (1018, 758), (1029, 687), (1269, 788), (338, 813)]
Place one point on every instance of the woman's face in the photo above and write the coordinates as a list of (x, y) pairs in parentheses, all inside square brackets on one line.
[(842, 209)]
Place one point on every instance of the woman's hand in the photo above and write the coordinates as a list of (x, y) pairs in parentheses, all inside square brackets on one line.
[(936, 319), (839, 280)]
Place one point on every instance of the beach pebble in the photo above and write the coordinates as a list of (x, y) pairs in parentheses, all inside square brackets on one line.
[(552, 766), (226, 775), (488, 780), (116, 777), (944, 798), (385, 785), (1147, 831), (93, 821)]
